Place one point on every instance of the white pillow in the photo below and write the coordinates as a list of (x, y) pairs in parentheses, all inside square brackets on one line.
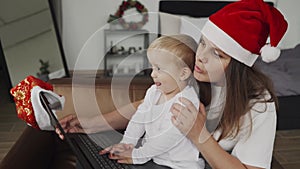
[(192, 26)]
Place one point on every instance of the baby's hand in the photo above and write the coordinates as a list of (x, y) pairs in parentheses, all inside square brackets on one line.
[(116, 149)]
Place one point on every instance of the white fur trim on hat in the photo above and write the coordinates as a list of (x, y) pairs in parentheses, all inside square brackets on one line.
[(269, 53), (41, 116), (227, 44)]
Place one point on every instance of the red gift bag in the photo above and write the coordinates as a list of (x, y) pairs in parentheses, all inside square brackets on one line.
[(22, 98)]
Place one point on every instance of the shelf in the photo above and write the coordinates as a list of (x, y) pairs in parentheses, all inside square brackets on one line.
[(126, 52)]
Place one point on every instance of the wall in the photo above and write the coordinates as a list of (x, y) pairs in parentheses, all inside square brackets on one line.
[(82, 19), (290, 10)]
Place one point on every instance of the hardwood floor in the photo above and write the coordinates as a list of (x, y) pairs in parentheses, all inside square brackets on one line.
[(287, 148), (11, 127)]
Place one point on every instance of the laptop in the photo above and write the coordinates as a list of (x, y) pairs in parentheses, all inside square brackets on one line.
[(84, 147)]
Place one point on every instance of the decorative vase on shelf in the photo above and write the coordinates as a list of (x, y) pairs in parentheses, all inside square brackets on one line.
[(44, 72)]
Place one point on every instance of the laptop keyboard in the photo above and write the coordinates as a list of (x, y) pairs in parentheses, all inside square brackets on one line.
[(102, 160)]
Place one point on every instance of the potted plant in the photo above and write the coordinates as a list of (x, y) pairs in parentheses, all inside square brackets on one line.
[(44, 72)]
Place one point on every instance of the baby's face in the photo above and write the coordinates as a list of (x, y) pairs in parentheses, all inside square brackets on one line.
[(166, 71)]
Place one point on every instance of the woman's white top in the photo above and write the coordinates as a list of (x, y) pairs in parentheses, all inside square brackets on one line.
[(163, 142), (252, 146)]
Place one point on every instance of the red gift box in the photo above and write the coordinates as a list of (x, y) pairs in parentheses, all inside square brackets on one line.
[(22, 98)]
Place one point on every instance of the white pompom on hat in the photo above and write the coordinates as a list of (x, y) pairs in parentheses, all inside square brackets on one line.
[(269, 53), (242, 28)]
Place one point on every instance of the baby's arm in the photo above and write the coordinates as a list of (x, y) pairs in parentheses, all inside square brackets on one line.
[(134, 130), (136, 127), (156, 146), (159, 144)]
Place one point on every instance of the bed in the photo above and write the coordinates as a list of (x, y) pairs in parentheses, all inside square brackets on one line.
[(188, 17)]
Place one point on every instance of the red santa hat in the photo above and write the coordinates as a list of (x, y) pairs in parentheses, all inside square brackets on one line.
[(241, 30)]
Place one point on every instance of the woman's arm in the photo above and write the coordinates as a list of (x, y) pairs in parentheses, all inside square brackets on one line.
[(114, 119), (191, 121), (218, 158)]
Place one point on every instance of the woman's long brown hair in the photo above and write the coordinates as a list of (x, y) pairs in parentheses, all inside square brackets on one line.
[(243, 84), (204, 92)]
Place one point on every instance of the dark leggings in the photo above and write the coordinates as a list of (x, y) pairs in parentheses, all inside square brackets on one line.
[(148, 165), (151, 165)]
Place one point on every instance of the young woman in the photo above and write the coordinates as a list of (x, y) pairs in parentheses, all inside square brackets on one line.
[(242, 112), (233, 39)]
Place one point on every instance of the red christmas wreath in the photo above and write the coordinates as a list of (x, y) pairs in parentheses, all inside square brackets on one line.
[(128, 5)]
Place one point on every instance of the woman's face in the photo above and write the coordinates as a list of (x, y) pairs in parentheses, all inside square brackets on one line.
[(210, 63)]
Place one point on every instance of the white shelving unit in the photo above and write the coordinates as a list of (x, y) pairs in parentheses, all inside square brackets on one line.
[(125, 52)]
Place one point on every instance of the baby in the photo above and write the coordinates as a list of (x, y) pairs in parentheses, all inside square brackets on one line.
[(172, 59)]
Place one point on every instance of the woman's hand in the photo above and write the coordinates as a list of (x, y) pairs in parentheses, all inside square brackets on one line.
[(120, 152), (71, 124), (190, 121)]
